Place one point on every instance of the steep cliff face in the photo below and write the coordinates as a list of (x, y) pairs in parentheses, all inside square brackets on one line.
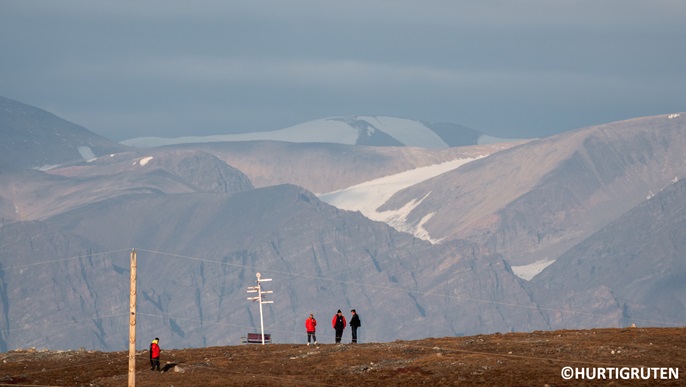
[(196, 262), (56, 287)]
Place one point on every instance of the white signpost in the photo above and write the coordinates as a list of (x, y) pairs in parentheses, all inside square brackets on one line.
[(258, 289)]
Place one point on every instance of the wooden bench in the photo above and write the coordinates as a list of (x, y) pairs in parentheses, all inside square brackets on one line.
[(256, 338)]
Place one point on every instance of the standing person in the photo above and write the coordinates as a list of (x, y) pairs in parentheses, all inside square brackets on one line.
[(338, 323), (311, 327), (155, 354), (354, 324)]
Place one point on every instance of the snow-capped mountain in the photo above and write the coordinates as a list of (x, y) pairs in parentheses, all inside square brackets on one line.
[(360, 130), (441, 241), (534, 201)]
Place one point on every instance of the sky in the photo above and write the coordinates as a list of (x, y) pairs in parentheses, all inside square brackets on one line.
[(513, 69)]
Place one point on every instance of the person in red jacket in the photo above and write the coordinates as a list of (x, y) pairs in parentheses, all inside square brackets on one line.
[(338, 323), (155, 354), (311, 327)]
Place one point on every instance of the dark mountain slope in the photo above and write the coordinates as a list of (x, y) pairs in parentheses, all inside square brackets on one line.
[(634, 268), (198, 252), (52, 282), (34, 138), (455, 134)]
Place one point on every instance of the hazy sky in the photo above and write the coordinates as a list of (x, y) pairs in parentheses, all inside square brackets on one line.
[(509, 68)]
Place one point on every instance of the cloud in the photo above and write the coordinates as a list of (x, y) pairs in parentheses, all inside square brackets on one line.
[(276, 71), (499, 14), (273, 63), (328, 73)]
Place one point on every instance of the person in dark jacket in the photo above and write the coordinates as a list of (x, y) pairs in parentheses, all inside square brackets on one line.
[(338, 323), (311, 327), (354, 324), (155, 354)]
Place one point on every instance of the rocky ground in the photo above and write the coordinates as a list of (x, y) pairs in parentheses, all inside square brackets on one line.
[(512, 359)]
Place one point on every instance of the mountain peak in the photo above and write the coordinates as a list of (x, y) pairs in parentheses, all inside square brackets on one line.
[(35, 138)]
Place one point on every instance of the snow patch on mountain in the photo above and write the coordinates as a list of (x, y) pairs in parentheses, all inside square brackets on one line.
[(87, 153), (44, 168), (527, 272), (398, 220), (367, 197), (325, 130), (145, 161)]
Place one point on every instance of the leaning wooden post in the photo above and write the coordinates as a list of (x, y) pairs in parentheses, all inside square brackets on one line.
[(132, 322)]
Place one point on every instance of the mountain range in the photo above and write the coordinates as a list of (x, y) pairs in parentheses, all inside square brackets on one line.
[(424, 229), (356, 130)]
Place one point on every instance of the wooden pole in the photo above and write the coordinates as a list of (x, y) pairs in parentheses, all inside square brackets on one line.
[(132, 322)]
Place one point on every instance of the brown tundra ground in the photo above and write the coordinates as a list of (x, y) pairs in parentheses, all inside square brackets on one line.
[(512, 359)]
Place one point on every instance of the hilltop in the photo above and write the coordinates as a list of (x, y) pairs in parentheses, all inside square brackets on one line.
[(534, 358)]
